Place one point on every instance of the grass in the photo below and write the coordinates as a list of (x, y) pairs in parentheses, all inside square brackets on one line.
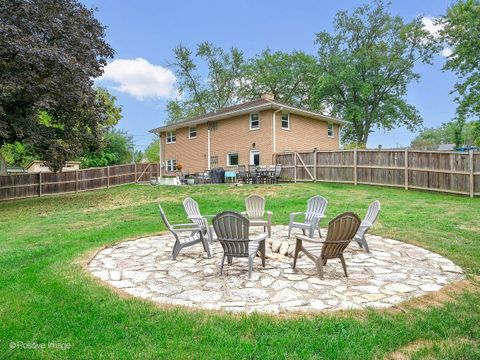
[(46, 296)]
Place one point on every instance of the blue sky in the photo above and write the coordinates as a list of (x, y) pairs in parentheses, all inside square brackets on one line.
[(151, 29)]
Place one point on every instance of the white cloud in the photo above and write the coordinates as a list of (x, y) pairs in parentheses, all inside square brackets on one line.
[(140, 79), (447, 52), (433, 26)]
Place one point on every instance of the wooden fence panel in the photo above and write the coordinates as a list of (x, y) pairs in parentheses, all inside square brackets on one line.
[(20, 186), (449, 172)]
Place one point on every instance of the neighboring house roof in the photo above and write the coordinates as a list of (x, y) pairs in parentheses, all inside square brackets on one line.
[(446, 147), (43, 162), (245, 108)]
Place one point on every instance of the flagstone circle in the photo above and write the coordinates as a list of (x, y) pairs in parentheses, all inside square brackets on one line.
[(393, 272)]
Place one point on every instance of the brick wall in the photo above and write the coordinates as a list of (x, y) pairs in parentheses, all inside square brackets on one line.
[(234, 136)]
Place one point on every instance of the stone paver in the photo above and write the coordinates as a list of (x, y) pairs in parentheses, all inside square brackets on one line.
[(392, 273)]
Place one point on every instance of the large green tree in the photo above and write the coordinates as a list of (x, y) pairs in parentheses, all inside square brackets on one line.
[(290, 77), (200, 95), (460, 31), (366, 65), (51, 50)]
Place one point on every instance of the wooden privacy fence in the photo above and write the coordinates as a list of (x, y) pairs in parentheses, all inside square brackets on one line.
[(19, 186), (449, 172)]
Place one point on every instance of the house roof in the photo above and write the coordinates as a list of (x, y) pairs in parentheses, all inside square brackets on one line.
[(245, 108)]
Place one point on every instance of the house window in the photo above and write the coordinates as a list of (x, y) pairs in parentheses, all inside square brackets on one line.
[(214, 160), (171, 137), (286, 121), (171, 165), (192, 132), (254, 121), (330, 129), (232, 159)]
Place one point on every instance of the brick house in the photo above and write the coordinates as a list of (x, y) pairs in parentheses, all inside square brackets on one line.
[(248, 133)]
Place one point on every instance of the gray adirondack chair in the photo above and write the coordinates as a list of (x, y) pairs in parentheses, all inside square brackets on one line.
[(193, 212), (316, 207), (194, 235), (255, 213), (341, 232), (232, 231), (367, 223)]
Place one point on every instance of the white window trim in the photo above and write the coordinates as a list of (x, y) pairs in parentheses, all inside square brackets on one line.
[(170, 162), (228, 158), (250, 121), (171, 135), (196, 133), (281, 121), (333, 130)]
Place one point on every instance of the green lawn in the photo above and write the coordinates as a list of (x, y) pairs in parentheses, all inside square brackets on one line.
[(46, 296)]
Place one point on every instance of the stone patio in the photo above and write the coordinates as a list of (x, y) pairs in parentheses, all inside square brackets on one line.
[(392, 273)]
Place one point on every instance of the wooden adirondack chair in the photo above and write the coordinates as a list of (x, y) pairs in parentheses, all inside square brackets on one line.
[(341, 232)]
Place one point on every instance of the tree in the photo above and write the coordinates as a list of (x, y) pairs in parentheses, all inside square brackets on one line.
[(117, 148), (51, 52), (458, 132), (220, 89), (289, 77), (152, 152), (366, 66), (17, 154), (460, 31), (113, 112)]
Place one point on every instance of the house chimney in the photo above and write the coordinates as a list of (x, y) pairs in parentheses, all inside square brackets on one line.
[(268, 96)]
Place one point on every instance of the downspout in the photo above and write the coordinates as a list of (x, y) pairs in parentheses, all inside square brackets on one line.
[(208, 146), (160, 155), (274, 130)]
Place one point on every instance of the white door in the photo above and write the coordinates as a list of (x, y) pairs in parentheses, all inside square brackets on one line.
[(254, 157)]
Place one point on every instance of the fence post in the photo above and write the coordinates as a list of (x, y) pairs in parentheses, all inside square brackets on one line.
[(472, 183), (40, 183), (315, 165), (295, 166), (108, 177), (405, 163), (355, 178), (76, 181)]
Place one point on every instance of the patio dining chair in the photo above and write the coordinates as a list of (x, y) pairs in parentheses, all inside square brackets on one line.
[(185, 235), (255, 213), (242, 174), (253, 174), (341, 232), (367, 223), (316, 207), (193, 212), (232, 231)]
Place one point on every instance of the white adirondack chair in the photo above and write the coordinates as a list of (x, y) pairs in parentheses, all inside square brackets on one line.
[(195, 235), (367, 223), (255, 213), (193, 213), (316, 207)]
